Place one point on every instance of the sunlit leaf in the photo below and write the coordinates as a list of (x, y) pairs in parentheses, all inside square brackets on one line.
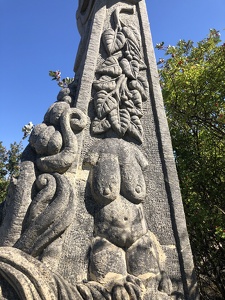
[(132, 35), (110, 67), (100, 126), (104, 103), (120, 121), (130, 68), (113, 41), (105, 83), (135, 129), (141, 85)]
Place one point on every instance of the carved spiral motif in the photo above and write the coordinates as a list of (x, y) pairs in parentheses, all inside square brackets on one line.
[(49, 214), (57, 148)]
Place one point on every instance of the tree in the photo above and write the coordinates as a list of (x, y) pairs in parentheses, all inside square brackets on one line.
[(193, 86), (9, 166), (3, 172)]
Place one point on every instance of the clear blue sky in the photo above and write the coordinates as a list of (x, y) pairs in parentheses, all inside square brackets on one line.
[(38, 36)]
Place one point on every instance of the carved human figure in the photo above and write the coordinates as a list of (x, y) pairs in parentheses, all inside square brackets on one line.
[(123, 246)]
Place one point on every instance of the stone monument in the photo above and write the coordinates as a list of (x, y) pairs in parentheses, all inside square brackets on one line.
[(96, 211)]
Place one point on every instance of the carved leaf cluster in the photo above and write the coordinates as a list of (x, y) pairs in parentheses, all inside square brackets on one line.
[(120, 88)]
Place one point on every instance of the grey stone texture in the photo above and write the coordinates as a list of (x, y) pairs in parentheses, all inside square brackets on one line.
[(96, 211)]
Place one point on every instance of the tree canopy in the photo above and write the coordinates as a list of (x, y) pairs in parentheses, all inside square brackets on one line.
[(193, 85), (9, 166)]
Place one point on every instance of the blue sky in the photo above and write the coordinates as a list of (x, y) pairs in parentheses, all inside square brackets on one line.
[(38, 36)]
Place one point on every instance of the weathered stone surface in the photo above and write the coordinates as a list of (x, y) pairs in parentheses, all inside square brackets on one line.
[(96, 212)]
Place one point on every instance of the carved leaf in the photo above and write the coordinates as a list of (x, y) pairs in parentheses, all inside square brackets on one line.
[(120, 121), (129, 104), (132, 35), (140, 84), (135, 112), (136, 100), (142, 65), (113, 41), (105, 83), (135, 129), (133, 49), (100, 126), (104, 104), (110, 67), (130, 68)]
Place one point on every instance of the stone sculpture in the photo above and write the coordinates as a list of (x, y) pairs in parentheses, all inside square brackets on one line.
[(96, 211)]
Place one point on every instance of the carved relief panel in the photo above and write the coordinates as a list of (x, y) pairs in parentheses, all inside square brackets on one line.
[(121, 84), (82, 221)]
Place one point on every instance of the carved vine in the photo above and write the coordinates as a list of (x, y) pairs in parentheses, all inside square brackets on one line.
[(121, 87)]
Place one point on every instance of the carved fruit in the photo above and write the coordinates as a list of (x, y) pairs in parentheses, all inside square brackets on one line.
[(61, 161), (45, 140), (55, 143), (54, 113), (129, 57), (64, 92)]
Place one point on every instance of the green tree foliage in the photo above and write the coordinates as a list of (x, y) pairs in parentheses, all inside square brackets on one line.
[(3, 172), (193, 85), (9, 166)]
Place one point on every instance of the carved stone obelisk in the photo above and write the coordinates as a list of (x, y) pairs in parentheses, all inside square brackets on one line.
[(96, 212)]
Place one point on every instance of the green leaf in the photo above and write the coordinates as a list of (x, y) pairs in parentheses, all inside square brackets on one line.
[(52, 73)]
